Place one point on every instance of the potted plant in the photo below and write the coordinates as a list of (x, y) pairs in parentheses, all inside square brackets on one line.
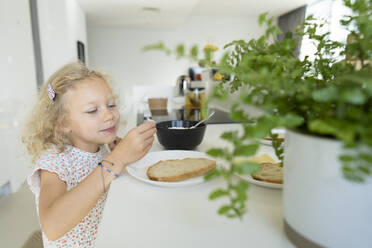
[(326, 106)]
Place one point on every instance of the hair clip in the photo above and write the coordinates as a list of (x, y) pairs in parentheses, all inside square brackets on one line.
[(51, 92)]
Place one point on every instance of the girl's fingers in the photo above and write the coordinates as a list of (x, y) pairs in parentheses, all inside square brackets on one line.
[(148, 141), (146, 126), (148, 133), (150, 138), (147, 148)]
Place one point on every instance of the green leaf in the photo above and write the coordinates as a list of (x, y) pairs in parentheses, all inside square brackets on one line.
[(239, 115), (242, 186), (225, 59), (333, 127), (246, 167), (216, 152), (366, 157), (262, 128), (365, 169), (180, 50), (241, 193), (369, 87), (194, 52), (230, 136), (326, 95), (158, 46), (354, 96), (346, 158), (220, 93), (212, 174), (208, 55), (353, 174), (290, 120), (262, 18), (278, 148), (218, 193), (224, 209), (245, 150), (322, 127), (219, 153), (203, 63)]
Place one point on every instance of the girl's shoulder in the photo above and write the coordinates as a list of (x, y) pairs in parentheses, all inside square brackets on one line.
[(52, 153), (69, 156), (71, 165), (54, 160)]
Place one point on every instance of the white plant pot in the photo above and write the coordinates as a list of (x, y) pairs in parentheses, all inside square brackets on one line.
[(321, 207)]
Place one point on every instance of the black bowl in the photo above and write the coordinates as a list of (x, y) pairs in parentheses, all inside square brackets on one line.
[(180, 139)]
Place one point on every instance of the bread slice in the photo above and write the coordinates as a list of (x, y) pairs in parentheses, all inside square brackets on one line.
[(269, 172), (179, 169)]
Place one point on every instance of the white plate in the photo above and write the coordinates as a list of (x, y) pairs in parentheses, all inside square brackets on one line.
[(138, 169), (250, 179), (280, 131)]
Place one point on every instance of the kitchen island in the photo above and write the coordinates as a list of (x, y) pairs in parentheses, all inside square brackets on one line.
[(138, 214)]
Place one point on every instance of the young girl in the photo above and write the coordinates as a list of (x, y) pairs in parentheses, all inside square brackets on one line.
[(74, 117)]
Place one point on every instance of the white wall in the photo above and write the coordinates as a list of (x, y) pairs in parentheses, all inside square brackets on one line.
[(18, 88), (61, 25), (118, 50)]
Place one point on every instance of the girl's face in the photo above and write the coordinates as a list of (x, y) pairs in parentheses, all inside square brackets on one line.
[(92, 115)]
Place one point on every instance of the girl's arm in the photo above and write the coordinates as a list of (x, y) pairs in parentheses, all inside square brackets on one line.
[(60, 210)]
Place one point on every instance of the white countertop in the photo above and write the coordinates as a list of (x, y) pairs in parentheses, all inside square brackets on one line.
[(138, 214)]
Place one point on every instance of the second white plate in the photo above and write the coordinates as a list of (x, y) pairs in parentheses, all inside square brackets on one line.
[(269, 151), (250, 179), (279, 131), (138, 169)]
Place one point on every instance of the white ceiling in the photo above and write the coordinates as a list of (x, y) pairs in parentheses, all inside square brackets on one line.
[(172, 13)]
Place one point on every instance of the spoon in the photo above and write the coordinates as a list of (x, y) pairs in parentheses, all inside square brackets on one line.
[(200, 122)]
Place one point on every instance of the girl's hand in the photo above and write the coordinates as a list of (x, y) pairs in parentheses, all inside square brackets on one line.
[(134, 145), (113, 144)]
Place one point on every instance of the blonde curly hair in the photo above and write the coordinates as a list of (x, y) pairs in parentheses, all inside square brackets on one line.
[(43, 130)]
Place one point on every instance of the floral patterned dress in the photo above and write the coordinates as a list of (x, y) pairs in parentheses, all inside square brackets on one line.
[(71, 166)]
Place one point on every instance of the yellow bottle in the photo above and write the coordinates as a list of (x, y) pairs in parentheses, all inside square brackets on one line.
[(194, 100)]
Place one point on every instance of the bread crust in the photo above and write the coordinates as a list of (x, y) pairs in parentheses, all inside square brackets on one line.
[(183, 176), (269, 138), (261, 177)]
